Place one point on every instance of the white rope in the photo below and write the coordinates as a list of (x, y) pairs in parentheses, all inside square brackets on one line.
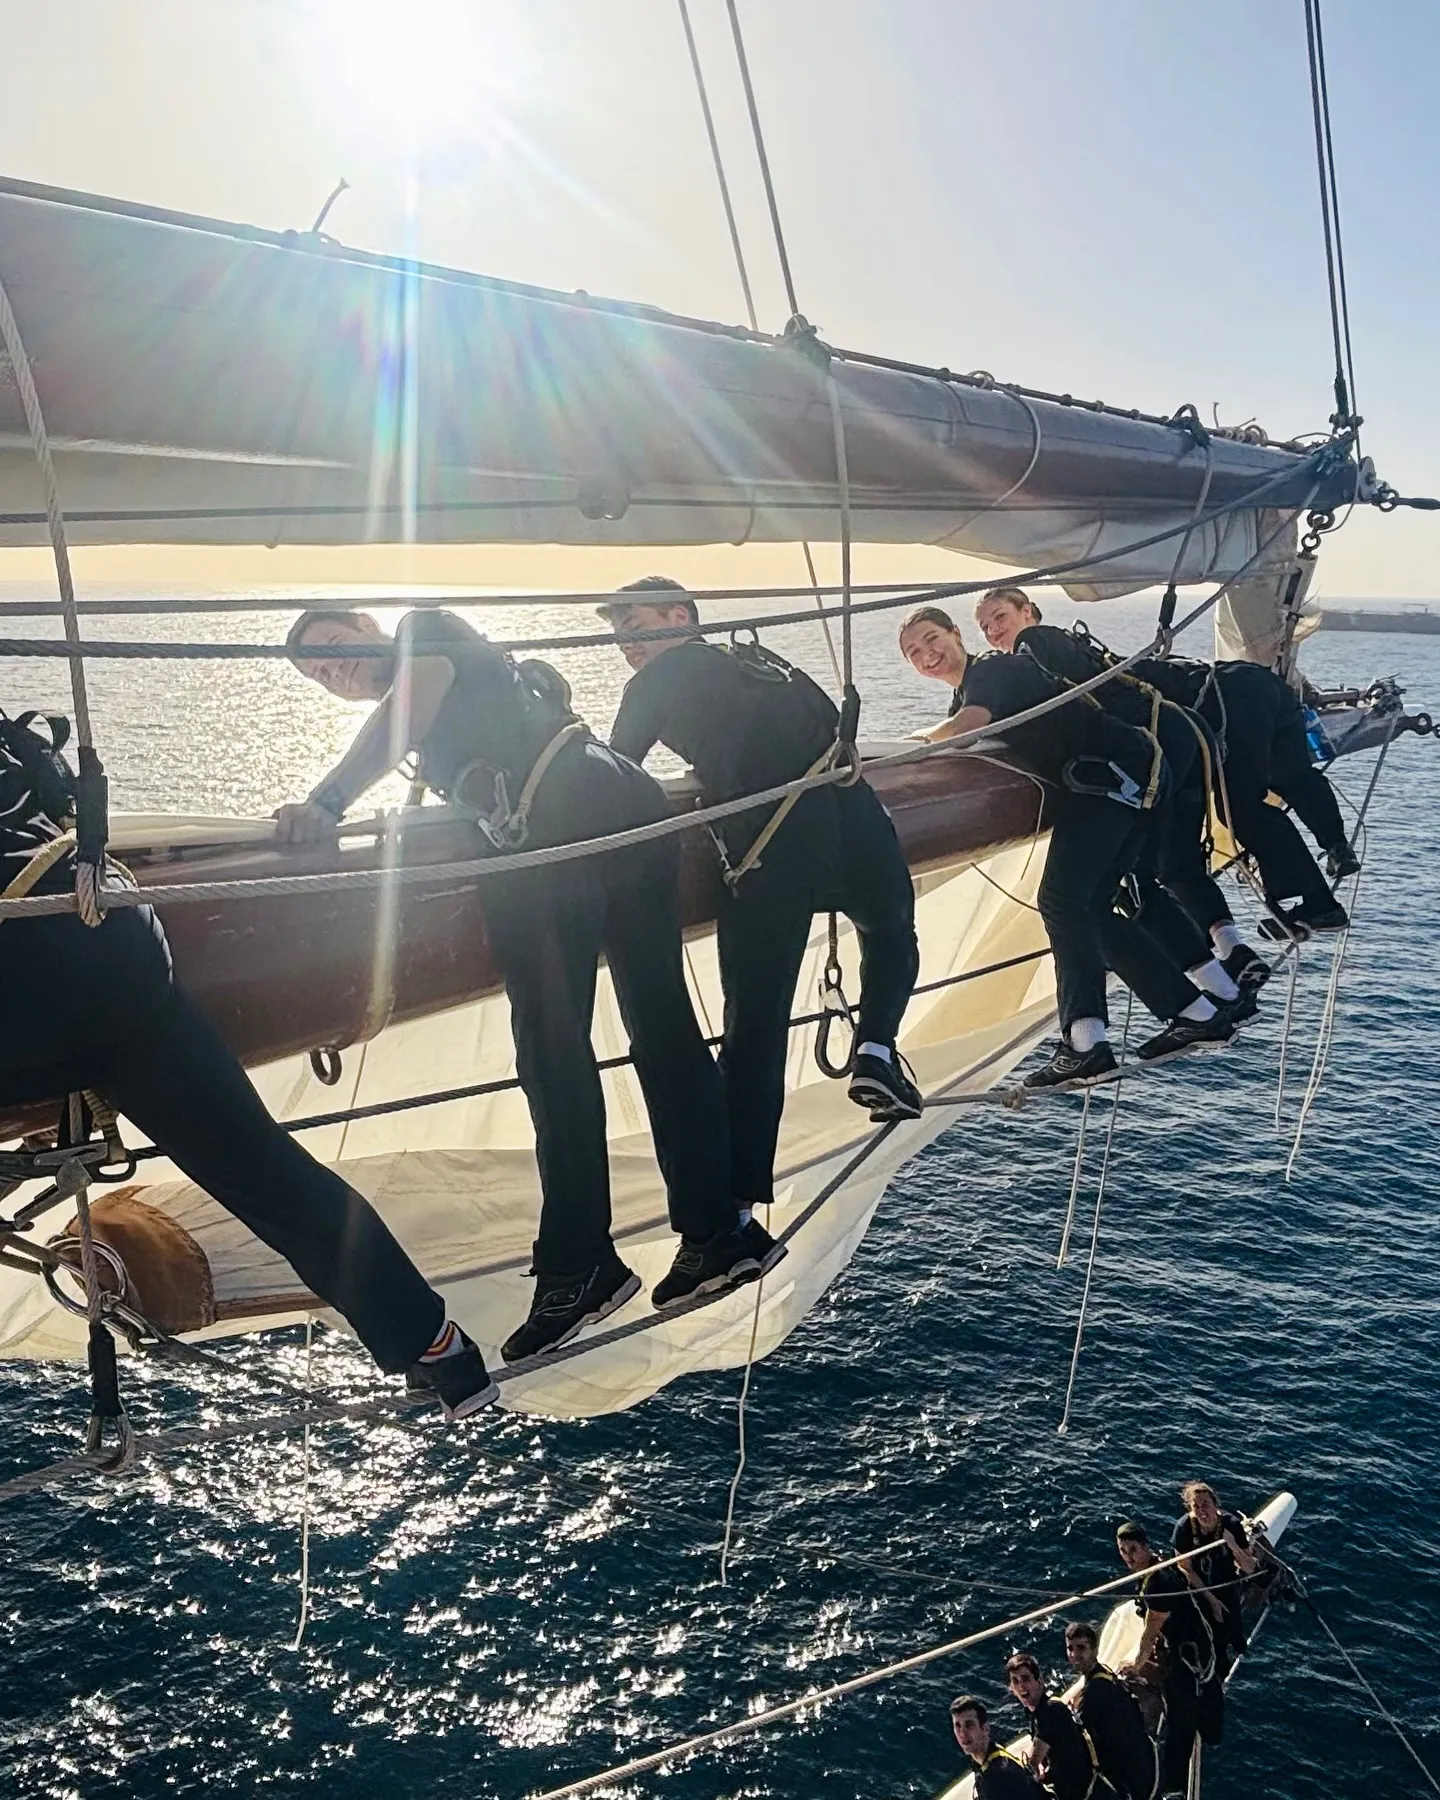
[(304, 1618), (270, 887), (1069, 1225), (842, 482), (1064, 1426), (772, 1715), (1375, 1699), (1285, 1034), (87, 875), (722, 181), (741, 1455), (1325, 1035)]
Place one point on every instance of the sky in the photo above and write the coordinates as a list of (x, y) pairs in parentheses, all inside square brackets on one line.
[(1115, 198)]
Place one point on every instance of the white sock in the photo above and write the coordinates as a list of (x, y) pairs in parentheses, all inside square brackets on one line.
[(1211, 979), (1226, 937), (869, 1049), (1086, 1034), (449, 1342), (1200, 1010)]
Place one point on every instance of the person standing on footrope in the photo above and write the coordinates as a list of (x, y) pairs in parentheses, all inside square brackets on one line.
[(1101, 779), (99, 1008), (745, 721), (1180, 901), (499, 738)]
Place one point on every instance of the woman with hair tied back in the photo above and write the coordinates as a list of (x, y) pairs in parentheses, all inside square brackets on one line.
[(1103, 779)]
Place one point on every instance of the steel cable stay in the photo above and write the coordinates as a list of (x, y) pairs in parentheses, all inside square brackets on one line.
[(269, 886)]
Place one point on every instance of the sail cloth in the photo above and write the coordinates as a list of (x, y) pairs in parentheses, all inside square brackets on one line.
[(458, 1183), (207, 383)]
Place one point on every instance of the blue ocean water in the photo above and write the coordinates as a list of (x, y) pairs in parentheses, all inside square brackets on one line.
[(499, 1610)]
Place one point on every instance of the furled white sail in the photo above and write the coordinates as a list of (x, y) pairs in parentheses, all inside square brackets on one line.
[(458, 1182)]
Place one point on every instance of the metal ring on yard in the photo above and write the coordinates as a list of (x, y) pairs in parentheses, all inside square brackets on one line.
[(61, 1245)]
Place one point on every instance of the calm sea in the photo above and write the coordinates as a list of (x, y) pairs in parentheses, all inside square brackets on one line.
[(504, 1608)]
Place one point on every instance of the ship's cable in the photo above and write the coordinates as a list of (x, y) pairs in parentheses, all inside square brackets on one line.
[(305, 1455), (479, 868), (1064, 1426), (91, 827), (741, 1452), (1344, 417)]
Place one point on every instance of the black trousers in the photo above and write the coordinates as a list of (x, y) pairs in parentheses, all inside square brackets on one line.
[(83, 1008), (1265, 750), (548, 929), (1094, 845), (837, 851), (1176, 856), (1192, 1709)]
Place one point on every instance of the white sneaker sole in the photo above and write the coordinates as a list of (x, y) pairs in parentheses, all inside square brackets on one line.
[(472, 1404), (873, 1094)]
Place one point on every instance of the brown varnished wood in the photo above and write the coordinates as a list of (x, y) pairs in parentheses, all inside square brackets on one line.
[(280, 976)]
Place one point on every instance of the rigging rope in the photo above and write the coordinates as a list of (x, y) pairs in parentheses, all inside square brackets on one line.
[(1064, 1426), (90, 803), (272, 886), (1326, 1032), (305, 1453), (1344, 415), (741, 1452), (763, 159)]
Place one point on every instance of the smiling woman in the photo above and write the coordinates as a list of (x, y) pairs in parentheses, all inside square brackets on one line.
[(426, 73)]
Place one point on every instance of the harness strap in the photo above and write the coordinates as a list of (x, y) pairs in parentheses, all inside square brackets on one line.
[(39, 865), (773, 823), (507, 827)]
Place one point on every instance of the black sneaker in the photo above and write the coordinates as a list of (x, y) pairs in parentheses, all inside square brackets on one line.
[(727, 1260), (1070, 1068), (1321, 918), (1245, 968), (884, 1088), (1181, 1035), (461, 1382), (1341, 861), (566, 1304)]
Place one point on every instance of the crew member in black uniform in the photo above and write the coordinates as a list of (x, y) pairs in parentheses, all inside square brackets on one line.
[(746, 720), (1179, 1641), (1257, 720), (1101, 777), (1062, 1756), (99, 1008), (1223, 1558), (1181, 903), (1126, 1751), (999, 1774), (499, 738)]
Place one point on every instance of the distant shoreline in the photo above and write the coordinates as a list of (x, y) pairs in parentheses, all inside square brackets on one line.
[(1417, 619)]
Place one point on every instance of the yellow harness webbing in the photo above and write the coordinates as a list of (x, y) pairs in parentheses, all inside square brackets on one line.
[(39, 865)]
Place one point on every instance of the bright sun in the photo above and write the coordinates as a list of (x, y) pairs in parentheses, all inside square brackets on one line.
[(423, 72)]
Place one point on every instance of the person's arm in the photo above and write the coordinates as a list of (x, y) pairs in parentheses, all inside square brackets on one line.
[(1149, 1638), (636, 730), (969, 718), (1245, 1561), (398, 725)]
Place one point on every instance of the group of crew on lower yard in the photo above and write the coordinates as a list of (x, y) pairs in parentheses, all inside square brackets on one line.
[(1129, 1733), (1126, 887), (1130, 772)]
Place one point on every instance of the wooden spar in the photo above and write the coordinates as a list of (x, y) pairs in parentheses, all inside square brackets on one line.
[(285, 975), (209, 383)]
